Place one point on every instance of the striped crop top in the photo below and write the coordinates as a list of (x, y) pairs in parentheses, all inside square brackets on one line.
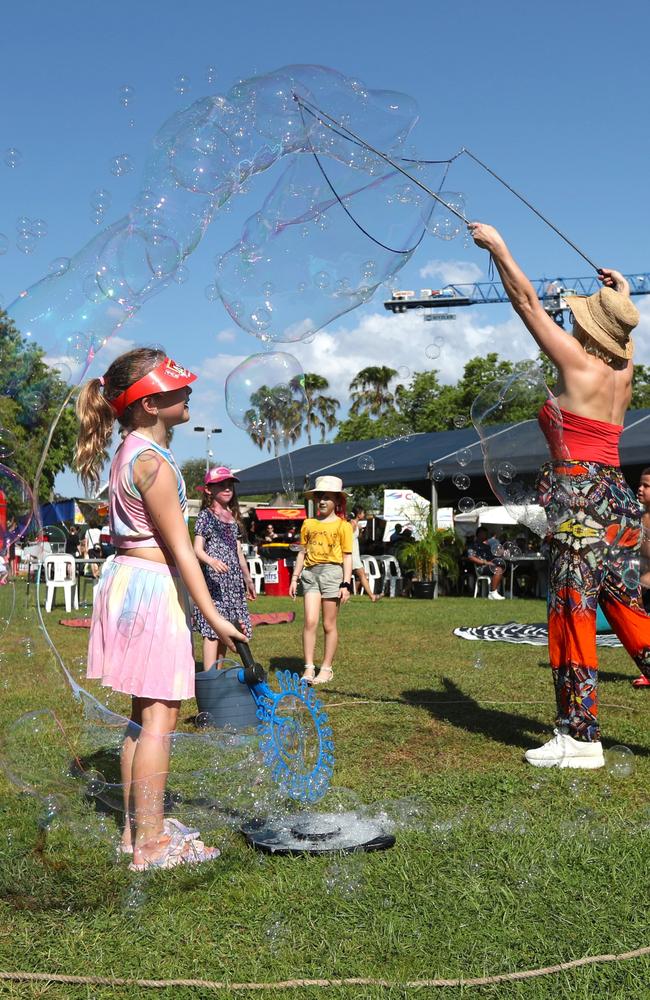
[(130, 524)]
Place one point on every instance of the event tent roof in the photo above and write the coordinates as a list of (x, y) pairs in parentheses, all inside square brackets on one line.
[(407, 460)]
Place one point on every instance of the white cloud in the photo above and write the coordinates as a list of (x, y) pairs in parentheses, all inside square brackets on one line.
[(226, 336), (452, 272)]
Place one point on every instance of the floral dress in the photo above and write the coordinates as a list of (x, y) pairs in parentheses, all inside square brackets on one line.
[(227, 590)]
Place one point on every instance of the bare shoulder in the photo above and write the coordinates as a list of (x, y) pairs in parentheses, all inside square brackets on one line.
[(151, 470)]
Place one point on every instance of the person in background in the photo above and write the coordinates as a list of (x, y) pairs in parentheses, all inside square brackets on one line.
[(218, 534), (270, 535), (358, 514), (395, 536), (480, 554), (72, 541), (325, 564)]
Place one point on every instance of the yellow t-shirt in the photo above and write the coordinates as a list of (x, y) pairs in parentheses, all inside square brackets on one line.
[(325, 541)]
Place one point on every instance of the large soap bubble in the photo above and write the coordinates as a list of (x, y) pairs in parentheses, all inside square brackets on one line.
[(334, 226), (265, 397), (514, 447)]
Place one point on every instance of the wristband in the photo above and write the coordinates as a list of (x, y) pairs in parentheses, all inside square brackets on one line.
[(347, 586)]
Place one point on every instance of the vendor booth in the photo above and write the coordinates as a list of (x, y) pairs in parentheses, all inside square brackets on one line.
[(279, 554)]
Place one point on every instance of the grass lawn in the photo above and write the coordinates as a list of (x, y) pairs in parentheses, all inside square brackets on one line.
[(501, 867)]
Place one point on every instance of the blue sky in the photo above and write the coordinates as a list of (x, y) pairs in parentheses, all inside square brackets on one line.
[(552, 96)]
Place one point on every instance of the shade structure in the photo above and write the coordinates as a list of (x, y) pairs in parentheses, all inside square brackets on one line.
[(494, 515), (411, 460)]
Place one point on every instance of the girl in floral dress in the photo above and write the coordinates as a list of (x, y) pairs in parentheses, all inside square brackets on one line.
[(218, 548)]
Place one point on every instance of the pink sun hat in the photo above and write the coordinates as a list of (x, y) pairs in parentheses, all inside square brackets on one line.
[(217, 475)]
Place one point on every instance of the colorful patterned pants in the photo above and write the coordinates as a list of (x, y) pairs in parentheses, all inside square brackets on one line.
[(595, 527)]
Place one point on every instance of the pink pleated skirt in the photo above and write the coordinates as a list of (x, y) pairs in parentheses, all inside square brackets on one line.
[(140, 639)]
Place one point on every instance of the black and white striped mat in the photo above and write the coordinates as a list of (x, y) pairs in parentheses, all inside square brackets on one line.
[(530, 635)]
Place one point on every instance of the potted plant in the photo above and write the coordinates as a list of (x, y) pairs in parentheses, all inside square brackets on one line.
[(433, 551)]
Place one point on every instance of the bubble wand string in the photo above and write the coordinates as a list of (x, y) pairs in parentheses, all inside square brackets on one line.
[(320, 116), (521, 198)]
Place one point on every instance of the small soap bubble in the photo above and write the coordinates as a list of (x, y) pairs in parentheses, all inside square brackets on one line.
[(211, 293), (211, 74), (130, 624), (461, 481), (23, 225), (506, 472), (181, 274), (13, 157), (127, 93), (26, 243), (404, 372), (322, 279), (100, 200), (620, 762), (479, 663), (182, 84), (437, 475), (466, 505), (39, 228), (121, 164), (59, 265), (460, 420), (7, 444), (464, 457), (432, 351), (202, 720), (366, 462)]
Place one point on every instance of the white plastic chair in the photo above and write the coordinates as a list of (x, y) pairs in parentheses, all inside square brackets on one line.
[(482, 578), (60, 571), (392, 574), (256, 570), (373, 572)]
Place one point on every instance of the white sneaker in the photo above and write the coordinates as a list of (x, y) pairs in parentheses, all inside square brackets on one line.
[(563, 751), (494, 595)]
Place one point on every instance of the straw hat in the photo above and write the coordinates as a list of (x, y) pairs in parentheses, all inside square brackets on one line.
[(608, 317), (327, 484)]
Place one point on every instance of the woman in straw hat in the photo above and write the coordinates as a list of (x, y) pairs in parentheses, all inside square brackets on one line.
[(325, 565), (594, 516)]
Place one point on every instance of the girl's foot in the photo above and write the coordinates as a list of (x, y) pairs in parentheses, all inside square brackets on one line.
[(309, 673), (325, 674)]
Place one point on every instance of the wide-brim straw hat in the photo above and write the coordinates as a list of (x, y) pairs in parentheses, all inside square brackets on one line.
[(608, 317), (327, 484)]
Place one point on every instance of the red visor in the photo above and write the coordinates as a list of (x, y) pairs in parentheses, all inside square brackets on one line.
[(163, 378)]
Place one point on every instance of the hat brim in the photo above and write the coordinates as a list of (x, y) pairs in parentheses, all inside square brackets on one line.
[(215, 482), (312, 493), (583, 317)]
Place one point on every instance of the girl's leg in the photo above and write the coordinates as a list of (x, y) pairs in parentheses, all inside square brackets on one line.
[(363, 580), (210, 652), (149, 772), (222, 652), (312, 613), (330, 611), (126, 768)]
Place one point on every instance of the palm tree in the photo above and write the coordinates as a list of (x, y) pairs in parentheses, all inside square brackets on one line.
[(319, 411), (369, 390), (273, 419)]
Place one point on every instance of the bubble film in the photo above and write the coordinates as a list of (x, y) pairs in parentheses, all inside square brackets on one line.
[(265, 397), (302, 259), (513, 445)]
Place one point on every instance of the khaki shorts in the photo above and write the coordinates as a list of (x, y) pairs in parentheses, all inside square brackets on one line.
[(324, 579)]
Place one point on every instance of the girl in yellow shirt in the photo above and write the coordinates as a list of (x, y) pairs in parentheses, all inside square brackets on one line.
[(325, 566)]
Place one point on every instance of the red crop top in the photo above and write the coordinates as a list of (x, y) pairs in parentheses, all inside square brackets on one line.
[(579, 437)]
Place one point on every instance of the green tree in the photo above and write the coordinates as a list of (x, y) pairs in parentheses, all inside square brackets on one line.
[(31, 398), (640, 387), (193, 471), (319, 410), (369, 391)]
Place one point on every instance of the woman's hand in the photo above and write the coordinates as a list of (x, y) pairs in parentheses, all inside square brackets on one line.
[(344, 595), (251, 593), (614, 279), (293, 587), (486, 237), (219, 566)]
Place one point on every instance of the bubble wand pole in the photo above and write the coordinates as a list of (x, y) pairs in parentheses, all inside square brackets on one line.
[(321, 116)]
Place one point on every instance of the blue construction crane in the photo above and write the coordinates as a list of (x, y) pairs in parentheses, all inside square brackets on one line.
[(436, 302)]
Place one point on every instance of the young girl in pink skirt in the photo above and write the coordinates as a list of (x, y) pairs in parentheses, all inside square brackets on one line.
[(140, 638)]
